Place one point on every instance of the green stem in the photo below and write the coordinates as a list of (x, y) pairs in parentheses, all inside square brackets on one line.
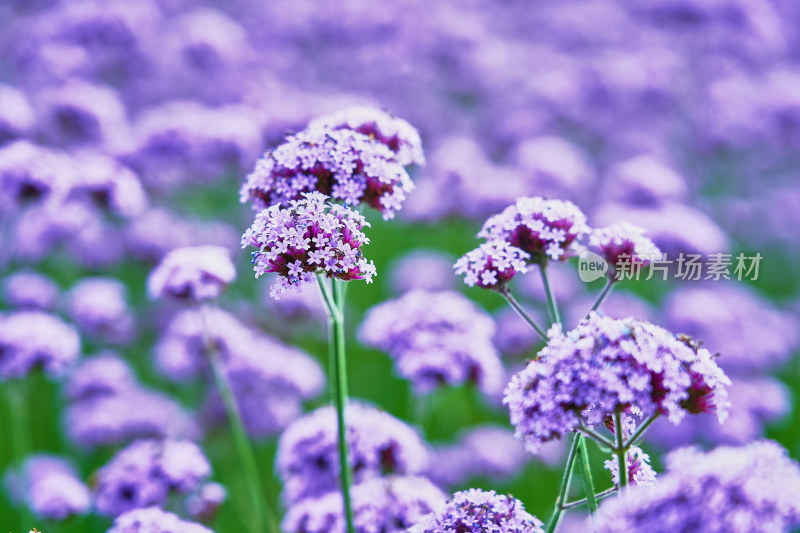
[(18, 419), (552, 306), (262, 510), (640, 431), (565, 482), (338, 384), (524, 314), (602, 296), (600, 495), (586, 478), (598, 437), (620, 451)]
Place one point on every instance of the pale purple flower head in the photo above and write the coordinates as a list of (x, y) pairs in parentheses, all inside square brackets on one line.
[(269, 381), (146, 472), (32, 174), (34, 339), (106, 374), (50, 487), (107, 183), (154, 520), (393, 132), (422, 269), (605, 365), (203, 504), (543, 228), (644, 180), (485, 451), (99, 308), (436, 338), (386, 504), (194, 274), (624, 247), (753, 335), (308, 461), (30, 290), (80, 113), (753, 489), (477, 511), (552, 165), (117, 418), (492, 264), (309, 235), (17, 117), (344, 164)]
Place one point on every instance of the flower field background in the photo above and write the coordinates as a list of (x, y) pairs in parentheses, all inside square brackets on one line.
[(127, 130)]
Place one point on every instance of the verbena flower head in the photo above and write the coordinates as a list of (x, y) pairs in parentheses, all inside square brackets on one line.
[(543, 228), (29, 290), (436, 338), (108, 184), (624, 247), (307, 459), (33, 339), (50, 486), (478, 511), (492, 264), (146, 472), (309, 235), (389, 505), (752, 489), (102, 375), (344, 164), (32, 174), (154, 520), (194, 273), (393, 132), (638, 466), (99, 308), (605, 365), (17, 118)]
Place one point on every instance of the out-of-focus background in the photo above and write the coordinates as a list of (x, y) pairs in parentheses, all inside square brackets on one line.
[(680, 116)]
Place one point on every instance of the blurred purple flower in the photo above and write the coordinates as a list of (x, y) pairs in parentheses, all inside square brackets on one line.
[(605, 364), (32, 174), (436, 338), (307, 458), (108, 184), (393, 132), (754, 488), (514, 336), (34, 339), (736, 321), (552, 166), (51, 488), (105, 374), (203, 504), (146, 472), (486, 451), (194, 274), (346, 165), (17, 117), (422, 269), (389, 505), (476, 510), (153, 520), (643, 180), (30, 290), (309, 235), (99, 308)]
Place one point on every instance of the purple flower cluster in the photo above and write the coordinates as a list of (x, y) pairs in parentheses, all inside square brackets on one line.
[(29, 290), (32, 174), (476, 510), (624, 247), (754, 488), (51, 488), (24, 347), (492, 264), (309, 235), (393, 132), (607, 365), (436, 338), (153, 520), (107, 406), (391, 505), (542, 228), (98, 307), (341, 163), (194, 273), (146, 472), (307, 459)]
